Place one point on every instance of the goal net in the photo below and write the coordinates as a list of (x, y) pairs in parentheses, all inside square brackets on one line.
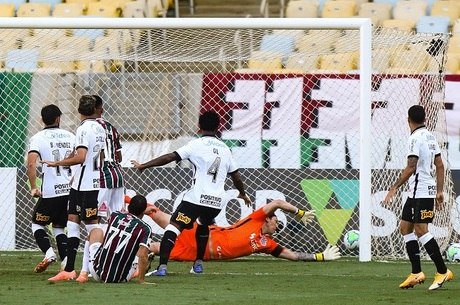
[(290, 105)]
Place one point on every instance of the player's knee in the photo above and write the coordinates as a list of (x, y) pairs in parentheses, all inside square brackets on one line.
[(73, 229)]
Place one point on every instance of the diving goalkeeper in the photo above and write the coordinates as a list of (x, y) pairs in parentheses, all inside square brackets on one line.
[(252, 234)]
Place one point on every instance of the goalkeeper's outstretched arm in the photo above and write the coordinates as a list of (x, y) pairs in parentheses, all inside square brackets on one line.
[(331, 253), (303, 216)]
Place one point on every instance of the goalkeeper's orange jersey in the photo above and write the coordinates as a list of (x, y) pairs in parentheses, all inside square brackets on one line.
[(243, 238)]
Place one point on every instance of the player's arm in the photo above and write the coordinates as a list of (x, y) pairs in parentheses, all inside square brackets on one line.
[(142, 254), (329, 254), (408, 171), (439, 180), (238, 183), (32, 158), (77, 158), (302, 215), (159, 161)]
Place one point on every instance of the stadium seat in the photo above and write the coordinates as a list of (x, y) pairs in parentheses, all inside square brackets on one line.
[(380, 60), (134, 9), (82, 2), (302, 9), (391, 2), (89, 33), (339, 9), (401, 25), (449, 9), (58, 61), (317, 42), (402, 62), (22, 60), (433, 24), (452, 64), (265, 62), (79, 43), (68, 10), (157, 8), (337, 63), (94, 66), (7, 10), (120, 4), (43, 44), (109, 47), (376, 11), (282, 44), (50, 2), (410, 11), (347, 43), (34, 10), (296, 34), (454, 45), (16, 3), (101, 9), (302, 63)]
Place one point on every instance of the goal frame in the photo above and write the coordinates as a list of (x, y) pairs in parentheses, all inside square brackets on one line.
[(364, 26)]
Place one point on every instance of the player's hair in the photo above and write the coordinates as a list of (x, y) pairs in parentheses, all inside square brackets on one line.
[(417, 114), (49, 114), (98, 100), (137, 205), (209, 121), (87, 105)]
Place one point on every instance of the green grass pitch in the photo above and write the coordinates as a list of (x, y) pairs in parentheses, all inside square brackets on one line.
[(252, 280)]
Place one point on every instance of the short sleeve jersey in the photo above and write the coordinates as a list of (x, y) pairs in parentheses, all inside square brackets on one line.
[(241, 239), (212, 161), (125, 234), (53, 144), (423, 145), (91, 136)]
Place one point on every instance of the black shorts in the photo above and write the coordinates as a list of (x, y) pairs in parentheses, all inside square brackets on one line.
[(83, 204), (51, 210), (418, 210), (187, 213)]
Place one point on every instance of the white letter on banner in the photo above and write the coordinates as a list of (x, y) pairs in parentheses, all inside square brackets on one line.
[(391, 122), (336, 122), (453, 123), (285, 123), (247, 123), (389, 219)]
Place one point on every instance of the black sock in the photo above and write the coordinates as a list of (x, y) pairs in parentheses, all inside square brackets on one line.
[(433, 251), (42, 239), (166, 246), (61, 242), (72, 246), (413, 251), (201, 236)]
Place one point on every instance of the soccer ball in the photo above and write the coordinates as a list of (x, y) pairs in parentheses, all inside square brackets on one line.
[(351, 239), (453, 252)]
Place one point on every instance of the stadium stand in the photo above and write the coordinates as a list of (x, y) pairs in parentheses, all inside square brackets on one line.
[(22, 60), (433, 24), (16, 3), (102, 9), (338, 9), (449, 9), (7, 10), (68, 10), (410, 11), (50, 2), (337, 62), (135, 9), (376, 11), (34, 10), (302, 63), (282, 44), (398, 24), (302, 9)]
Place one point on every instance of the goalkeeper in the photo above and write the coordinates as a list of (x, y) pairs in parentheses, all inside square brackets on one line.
[(252, 234)]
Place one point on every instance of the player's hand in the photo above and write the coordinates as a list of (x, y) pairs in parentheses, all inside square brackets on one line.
[(246, 199), (305, 216), (390, 195), (50, 163), (439, 200), (331, 253), (35, 192), (137, 165)]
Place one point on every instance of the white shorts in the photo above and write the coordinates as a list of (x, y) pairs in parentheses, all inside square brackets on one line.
[(110, 200)]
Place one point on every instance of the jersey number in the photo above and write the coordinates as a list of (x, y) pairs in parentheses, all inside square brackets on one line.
[(123, 239), (214, 169), (97, 158), (57, 156)]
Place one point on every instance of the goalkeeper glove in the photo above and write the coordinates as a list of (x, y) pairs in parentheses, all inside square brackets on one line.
[(331, 253), (305, 216)]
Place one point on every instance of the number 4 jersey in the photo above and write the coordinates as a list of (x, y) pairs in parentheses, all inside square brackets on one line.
[(53, 144)]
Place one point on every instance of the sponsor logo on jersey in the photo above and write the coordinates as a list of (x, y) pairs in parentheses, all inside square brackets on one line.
[(41, 217), (426, 214), (210, 200), (90, 212), (182, 218)]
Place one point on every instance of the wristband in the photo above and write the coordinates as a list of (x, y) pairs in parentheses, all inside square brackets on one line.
[(319, 257), (299, 213)]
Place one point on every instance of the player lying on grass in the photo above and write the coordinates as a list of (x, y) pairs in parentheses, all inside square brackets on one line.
[(252, 234)]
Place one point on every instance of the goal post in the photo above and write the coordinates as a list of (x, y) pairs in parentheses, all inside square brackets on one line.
[(314, 110)]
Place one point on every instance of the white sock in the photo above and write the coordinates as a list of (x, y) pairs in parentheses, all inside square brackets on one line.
[(85, 262), (50, 253)]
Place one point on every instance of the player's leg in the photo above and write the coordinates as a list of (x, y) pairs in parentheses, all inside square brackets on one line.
[(41, 218), (424, 214), (181, 219), (59, 223), (206, 218), (412, 246)]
